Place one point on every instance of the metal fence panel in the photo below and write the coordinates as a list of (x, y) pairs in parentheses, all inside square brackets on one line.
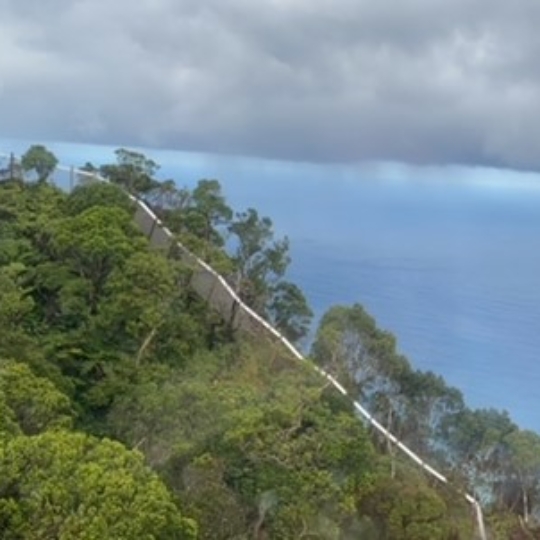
[(144, 221), (160, 239), (203, 283)]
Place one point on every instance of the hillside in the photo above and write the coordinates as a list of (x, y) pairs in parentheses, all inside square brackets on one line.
[(130, 409)]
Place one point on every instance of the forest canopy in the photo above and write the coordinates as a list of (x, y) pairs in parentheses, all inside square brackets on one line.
[(129, 409)]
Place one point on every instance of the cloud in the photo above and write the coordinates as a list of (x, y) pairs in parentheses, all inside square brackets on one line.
[(422, 81)]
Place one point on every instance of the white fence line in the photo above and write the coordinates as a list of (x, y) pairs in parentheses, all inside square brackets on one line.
[(244, 318)]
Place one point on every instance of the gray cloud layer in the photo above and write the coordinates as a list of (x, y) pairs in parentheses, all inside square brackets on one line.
[(426, 81)]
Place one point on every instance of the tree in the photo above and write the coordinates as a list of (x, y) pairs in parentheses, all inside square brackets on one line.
[(15, 304), (475, 439), (8, 423), (414, 405), (300, 463), (430, 404), (97, 194), (259, 259), (75, 487), (169, 202), (139, 295), (208, 212), (364, 353), (289, 311), (37, 158), (211, 501), (524, 447), (93, 243), (15, 310), (35, 402), (133, 171), (200, 218), (406, 510), (260, 264)]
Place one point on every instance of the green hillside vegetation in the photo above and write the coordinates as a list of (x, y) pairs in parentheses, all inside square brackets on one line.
[(129, 410)]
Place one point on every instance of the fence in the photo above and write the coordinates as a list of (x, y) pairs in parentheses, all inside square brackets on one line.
[(213, 288), (7, 167)]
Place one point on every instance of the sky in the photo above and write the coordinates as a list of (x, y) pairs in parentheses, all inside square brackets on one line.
[(416, 81)]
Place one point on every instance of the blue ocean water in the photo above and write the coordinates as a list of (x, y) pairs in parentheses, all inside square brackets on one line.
[(447, 259)]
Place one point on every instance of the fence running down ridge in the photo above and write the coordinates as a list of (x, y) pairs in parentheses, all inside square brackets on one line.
[(221, 297)]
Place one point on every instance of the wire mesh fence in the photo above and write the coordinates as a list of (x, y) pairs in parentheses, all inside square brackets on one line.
[(7, 163), (221, 297)]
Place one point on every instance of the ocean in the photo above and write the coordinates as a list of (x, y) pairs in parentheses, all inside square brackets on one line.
[(445, 258)]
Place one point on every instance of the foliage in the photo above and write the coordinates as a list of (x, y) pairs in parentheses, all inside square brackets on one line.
[(40, 160), (403, 511), (260, 265), (289, 311), (207, 212), (100, 194), (35, 403), (132, 170), (72, 486), (103, 335), (272, 459), (260, 261)]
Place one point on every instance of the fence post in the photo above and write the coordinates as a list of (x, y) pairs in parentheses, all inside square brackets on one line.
[(71, 178)]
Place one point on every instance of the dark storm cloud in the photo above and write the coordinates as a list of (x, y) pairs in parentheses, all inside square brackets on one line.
[(426, 81)]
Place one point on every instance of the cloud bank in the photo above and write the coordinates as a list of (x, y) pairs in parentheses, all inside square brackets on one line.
[(420, 81)]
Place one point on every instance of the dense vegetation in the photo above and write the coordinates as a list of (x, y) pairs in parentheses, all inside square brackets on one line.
[(129, 410)]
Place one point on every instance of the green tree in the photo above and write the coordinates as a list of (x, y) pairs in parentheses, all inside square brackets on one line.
[(476, 440), (93, 243), (208, 212), (289, 311), (407, 510), (431, 404), (364, 353), (200, 218), (169, 201), (37, 158), (209, 499), (139, 296), (524, 447), (303, 465), (15, 304), (35, 402), (16, 308), (133, 171), (8, 422), (259, 259), (97, 194), (75, 487)]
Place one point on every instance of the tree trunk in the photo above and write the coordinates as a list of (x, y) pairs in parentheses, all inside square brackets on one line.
[(144, 346), (390, 446), (525, 506)]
